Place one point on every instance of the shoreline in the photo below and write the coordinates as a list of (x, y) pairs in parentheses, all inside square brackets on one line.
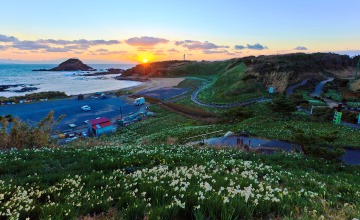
[(148, 84)]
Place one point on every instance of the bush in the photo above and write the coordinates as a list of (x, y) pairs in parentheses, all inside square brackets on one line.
[(237, 114), (282, 104), (19, 134), (317, 145), (35, 96)]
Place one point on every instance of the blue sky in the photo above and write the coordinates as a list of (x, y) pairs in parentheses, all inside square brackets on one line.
[(279, 26)]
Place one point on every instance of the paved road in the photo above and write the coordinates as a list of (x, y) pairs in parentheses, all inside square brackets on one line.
[(290, 90), (350, 157), (34, 112), (318, 90), (164, 93)]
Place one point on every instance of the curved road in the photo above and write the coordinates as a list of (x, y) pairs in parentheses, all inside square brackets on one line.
[(228, 105), (318, 90), (290, 90)]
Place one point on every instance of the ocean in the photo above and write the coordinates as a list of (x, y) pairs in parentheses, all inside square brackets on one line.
[(21, 76)]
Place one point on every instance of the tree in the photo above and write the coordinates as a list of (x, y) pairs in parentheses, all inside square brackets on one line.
[(237, 114), (282, 104), (317, 145), (17, 134)]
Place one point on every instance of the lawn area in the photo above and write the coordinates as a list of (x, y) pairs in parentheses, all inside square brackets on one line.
[(145, 172), (232, 86), (334, 95), (199, 69), (173, 182)]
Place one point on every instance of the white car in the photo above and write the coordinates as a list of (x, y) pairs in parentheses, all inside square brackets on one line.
[(85, 108), (72, 125), (71, 139)]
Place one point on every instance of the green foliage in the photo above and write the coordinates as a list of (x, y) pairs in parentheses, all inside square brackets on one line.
[(35, 96), (123, 92), (282, 104), (173, 182), (334, 95), (199, 69), (237, 114), (316, 145), (232, 85), (18, 134)]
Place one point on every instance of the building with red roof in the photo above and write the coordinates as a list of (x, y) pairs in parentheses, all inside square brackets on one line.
[(100, 126)]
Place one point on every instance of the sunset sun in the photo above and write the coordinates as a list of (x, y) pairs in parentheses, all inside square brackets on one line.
[(144, 60)]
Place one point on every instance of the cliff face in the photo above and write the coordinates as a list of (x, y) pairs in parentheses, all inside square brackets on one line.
[(72, 65), (154, 68), (296, 63)]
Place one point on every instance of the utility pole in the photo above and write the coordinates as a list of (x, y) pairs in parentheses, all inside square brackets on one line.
[(120, 112), (357, 69)]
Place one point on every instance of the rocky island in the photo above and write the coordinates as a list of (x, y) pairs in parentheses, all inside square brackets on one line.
[(72, 64)]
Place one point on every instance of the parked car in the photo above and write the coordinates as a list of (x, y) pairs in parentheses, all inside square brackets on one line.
[(85, 108), (72, 125), (71, 139)]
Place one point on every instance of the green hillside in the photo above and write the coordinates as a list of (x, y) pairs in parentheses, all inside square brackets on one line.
[(173, 182), (232, 85)]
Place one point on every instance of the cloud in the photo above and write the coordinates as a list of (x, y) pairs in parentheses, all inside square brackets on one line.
[(88, 43), (145, 41), (197, 45), (105, 52), (256, 46), (51, 45), (58, 49), (2, 47), (6, 39), (173, 50), (29, 45), (184, 42), (101, 50), (300, 48), (214, 51), (239, 47), (144, 48), (159, 52)]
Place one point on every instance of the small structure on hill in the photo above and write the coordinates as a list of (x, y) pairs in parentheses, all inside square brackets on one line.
[(100, 126)]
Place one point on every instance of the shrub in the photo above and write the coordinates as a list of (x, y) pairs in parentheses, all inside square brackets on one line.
[(19, 134), (282, 104)]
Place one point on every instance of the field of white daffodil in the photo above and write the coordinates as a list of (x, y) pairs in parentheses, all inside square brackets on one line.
[(173, 182)]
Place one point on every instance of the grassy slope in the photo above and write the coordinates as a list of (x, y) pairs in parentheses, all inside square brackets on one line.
[(201, 69), (175, 182), (76, 181), (230, 87)]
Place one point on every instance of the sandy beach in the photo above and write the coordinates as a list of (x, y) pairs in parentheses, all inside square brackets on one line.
[(154, 84)]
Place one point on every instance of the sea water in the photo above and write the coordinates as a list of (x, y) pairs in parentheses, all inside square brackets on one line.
[(69, 82)]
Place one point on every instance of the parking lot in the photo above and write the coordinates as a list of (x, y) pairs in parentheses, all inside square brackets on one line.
[(34, 112)]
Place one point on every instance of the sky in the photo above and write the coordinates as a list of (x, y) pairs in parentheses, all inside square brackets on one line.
[(115, 31)]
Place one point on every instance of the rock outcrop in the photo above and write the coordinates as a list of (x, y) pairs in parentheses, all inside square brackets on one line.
[(70, 65)]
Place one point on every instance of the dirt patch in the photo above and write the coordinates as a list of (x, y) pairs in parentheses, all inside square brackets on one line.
[(198, 114)]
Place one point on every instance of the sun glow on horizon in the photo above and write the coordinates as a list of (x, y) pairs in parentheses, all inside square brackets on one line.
[(144, 60)]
